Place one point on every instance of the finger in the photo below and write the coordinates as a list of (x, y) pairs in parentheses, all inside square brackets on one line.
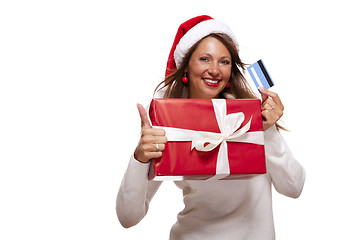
[(270, 101), (152, 140), (161, 140), (160, 147), (263, 95), (273, 95), (153, 132), (150, 155), (271, 106), (266, 115), (159, 132), (153, 147), (270, 117), (143, 115), (268, 107), (275, 102)]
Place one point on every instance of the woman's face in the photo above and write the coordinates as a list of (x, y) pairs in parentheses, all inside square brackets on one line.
[(209, 69)]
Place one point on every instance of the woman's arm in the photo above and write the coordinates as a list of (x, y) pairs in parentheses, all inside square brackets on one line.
[(287, 175), (135, 193)]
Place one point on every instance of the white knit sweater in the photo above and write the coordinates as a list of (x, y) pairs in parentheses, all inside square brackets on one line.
[(219, 209)]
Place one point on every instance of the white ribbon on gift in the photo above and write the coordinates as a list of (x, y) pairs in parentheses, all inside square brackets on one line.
[(229, 125)]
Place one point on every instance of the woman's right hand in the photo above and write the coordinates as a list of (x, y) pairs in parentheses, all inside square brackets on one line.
[(152, 141)]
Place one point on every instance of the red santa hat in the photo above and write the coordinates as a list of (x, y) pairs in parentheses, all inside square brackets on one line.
[(189, 33)]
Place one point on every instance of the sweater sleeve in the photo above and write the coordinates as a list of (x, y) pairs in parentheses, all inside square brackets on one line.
[(135, 193), (287, 175)]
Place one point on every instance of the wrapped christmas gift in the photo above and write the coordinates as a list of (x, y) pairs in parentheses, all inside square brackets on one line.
[(208, 138)]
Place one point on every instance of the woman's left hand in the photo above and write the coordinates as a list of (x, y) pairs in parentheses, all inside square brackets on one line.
[(271, 107)]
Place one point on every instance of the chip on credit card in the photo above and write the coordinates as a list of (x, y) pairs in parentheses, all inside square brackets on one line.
[(260, 75)]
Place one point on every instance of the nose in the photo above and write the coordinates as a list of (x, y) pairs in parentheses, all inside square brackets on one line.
[(213, 69)]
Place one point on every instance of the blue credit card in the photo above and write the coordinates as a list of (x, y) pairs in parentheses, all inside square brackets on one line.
[(260, 75)]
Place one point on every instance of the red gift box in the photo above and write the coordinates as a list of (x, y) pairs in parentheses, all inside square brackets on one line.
[(208, 137)]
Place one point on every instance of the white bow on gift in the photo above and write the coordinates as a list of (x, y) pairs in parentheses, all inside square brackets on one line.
[(229, 132)]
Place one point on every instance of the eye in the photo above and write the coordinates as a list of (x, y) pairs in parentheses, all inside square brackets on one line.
[(204, 59), (225, 62)]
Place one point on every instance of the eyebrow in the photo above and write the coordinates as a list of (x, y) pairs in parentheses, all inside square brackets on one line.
[(206, 53)]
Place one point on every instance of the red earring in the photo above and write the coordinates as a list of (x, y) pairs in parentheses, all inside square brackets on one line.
[(185, 79), (228, 85)]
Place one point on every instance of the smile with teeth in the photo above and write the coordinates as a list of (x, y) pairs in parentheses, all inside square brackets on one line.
[(211, 82)]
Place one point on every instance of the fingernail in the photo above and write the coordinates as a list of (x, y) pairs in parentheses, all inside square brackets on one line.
[(261, 89)]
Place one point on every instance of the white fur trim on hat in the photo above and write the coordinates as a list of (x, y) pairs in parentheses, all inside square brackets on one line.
[(198, 32)]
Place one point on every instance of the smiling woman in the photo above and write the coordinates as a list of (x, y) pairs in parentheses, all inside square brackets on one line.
[(235, 87), (209, 69), (206, 52)]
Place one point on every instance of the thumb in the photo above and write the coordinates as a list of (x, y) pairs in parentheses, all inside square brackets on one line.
[(264, 96), (144, 119)]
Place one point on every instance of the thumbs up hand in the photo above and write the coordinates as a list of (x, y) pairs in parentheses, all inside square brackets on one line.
[(152, 140)]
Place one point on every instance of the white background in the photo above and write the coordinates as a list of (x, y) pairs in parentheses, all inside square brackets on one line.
[(72, 72)]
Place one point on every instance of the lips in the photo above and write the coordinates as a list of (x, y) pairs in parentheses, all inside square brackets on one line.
[(211, 82)]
